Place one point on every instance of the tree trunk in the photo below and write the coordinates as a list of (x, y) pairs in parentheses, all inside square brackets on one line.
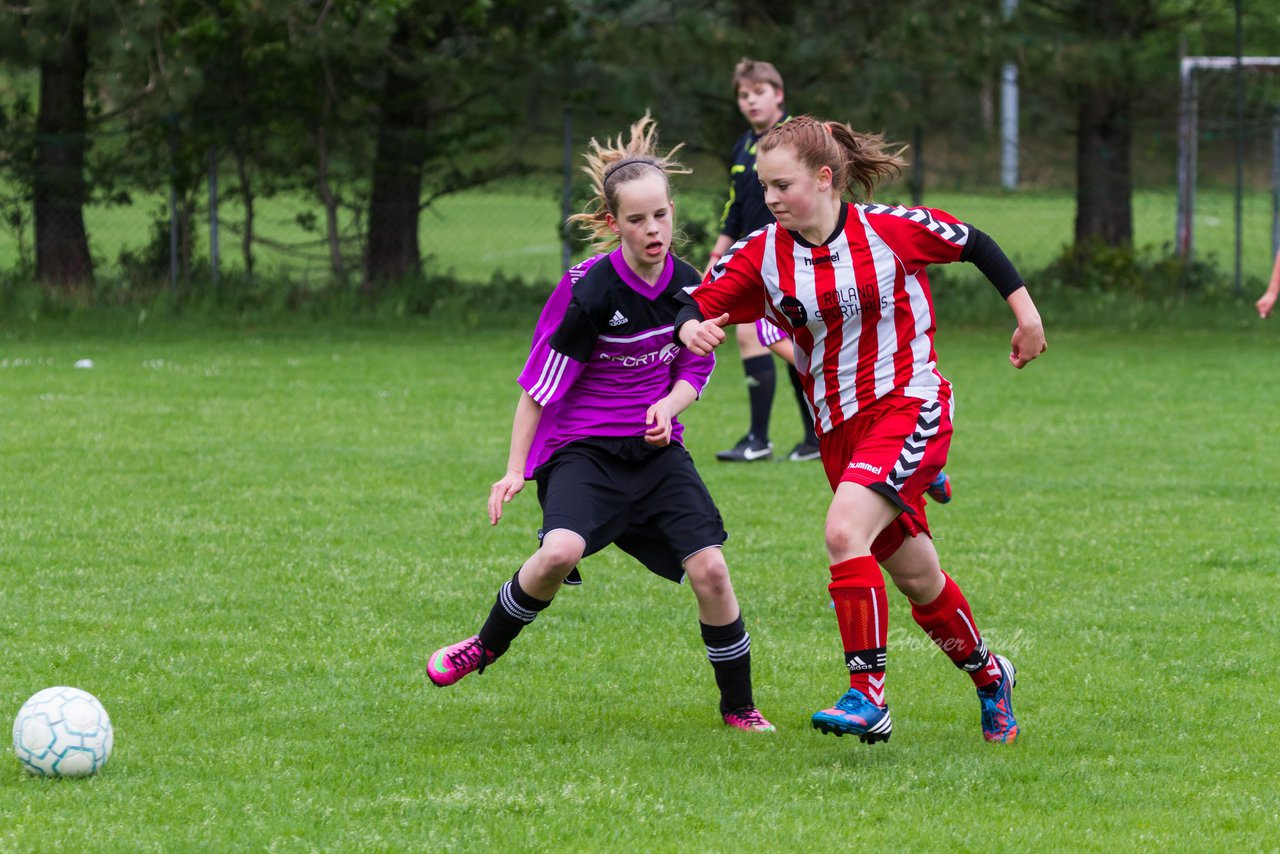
[(331, 230), (336, 264), (246, 196), (392, 250), (62, 246), (1104, 179)]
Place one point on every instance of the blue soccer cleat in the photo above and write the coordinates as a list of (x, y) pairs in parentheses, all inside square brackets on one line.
[(854, 714), (940, 489), (998, 722)]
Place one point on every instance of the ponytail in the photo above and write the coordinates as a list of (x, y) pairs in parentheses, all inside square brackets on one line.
[(858, 161)]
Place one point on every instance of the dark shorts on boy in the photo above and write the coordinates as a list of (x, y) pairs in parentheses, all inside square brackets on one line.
[(647, 500)]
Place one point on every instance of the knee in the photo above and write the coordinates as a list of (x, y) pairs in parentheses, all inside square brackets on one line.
[(560, 554), (708, 571), (842, 540)]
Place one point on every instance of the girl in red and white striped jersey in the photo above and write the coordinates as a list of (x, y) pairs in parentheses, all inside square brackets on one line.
[(848, 281)]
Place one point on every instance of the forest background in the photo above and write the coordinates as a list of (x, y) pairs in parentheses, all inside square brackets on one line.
[(293, 151)]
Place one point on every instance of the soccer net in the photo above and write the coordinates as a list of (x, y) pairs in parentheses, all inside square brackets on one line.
[(1228, 127)]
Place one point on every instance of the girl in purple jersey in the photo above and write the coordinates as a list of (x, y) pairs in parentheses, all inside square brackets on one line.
[(596, 427)]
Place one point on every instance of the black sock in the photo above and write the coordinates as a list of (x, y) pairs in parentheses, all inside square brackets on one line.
[(762, 379), (512, 610), (729, 650), (806, 417)]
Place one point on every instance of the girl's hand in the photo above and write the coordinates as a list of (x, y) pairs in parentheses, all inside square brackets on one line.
[(1265, 303), (502, 492), (1028, 342), (659, 420), (702, 338)]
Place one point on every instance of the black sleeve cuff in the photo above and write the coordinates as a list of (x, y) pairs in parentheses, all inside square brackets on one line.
[(984, 253), (688, 311)]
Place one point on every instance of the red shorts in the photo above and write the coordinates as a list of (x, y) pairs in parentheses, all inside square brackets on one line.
[(896, 446)]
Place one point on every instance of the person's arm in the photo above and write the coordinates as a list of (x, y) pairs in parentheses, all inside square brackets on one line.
[(985, 254), (1028, 339), (700, 336), (723, 242), (731, 219), (663, 412), (785, 349), (1268, 300), (523, 427), (734, 295)]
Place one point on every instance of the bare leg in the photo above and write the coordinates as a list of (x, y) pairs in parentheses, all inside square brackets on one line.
[(915, 570), (709, 578), (544, 572)]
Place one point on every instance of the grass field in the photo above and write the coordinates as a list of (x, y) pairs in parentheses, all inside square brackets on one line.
[(479, 234), (246, 542)]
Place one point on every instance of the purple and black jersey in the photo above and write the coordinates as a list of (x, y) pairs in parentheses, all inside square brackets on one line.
[(603, 353)]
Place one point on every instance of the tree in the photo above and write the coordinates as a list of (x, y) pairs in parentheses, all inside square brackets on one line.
[(1106, 53), (58, 38), (450, 94)]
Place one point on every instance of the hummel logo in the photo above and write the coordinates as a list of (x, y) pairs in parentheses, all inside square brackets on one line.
[(617, 319)]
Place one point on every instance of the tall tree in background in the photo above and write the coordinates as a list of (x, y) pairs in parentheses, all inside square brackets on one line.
[(1107, 53), (450, 94), (405, 121), (92, 64), (61, 38)]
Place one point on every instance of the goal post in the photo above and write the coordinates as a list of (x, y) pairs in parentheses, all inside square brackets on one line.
[(1189, 141)]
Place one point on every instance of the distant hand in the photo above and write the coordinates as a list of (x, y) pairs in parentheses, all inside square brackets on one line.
[(1265, 303), (502, 492), (702, 338), (1028, 342)]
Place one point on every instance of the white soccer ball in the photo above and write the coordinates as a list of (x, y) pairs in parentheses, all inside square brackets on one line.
[(62, 732)]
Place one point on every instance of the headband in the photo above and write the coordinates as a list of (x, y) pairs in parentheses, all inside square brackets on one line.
[(616, 166)]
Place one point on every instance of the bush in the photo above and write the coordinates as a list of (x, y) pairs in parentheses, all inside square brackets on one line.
[(1143, 272)]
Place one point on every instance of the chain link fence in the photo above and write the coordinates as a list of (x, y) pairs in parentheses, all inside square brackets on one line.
[(193, 229)]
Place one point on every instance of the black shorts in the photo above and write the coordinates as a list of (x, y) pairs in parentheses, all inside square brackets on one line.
[(649, 501)]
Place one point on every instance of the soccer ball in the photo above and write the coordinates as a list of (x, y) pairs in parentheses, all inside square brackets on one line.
[(62, 732)]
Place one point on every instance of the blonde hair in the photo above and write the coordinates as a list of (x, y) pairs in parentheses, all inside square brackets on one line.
[(613, 163), (755, 71), (858, 161)]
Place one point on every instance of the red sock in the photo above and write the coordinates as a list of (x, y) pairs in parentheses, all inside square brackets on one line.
[(949, 623), (862, 611)]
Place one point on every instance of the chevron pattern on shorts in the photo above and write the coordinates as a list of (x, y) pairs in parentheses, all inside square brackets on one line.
[(927, 423)]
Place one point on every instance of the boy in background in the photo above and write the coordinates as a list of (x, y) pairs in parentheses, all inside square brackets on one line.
[(759, 90)]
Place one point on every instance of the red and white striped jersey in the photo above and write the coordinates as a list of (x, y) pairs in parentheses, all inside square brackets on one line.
[(858, 307)]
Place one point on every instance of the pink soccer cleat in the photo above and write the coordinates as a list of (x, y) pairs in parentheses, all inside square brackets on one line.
[(748, 719), (449, 664)]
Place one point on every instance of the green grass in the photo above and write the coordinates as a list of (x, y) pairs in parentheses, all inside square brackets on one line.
[(478, 234), (245, 542)]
